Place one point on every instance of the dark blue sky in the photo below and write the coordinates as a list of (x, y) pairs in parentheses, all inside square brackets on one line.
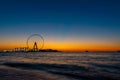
[(60, 18)]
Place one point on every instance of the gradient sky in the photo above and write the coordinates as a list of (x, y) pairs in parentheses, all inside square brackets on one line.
[(68, 25)]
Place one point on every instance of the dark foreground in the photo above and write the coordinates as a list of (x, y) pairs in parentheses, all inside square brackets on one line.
[(60, 66)]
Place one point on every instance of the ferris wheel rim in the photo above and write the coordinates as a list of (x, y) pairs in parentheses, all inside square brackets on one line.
[(27, 43)]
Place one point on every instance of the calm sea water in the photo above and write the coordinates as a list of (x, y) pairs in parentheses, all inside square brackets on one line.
[(66, 66)]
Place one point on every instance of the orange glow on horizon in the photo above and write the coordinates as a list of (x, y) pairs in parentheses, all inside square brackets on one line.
[(64, 44), (67, 47)]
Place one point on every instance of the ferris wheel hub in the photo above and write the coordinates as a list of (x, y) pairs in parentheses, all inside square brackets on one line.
[(35, 45)]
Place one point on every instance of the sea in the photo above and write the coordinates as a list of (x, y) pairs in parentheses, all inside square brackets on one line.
[(60, 66)]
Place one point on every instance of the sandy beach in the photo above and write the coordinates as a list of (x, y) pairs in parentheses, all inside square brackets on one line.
[(59, 66), (8, 73)]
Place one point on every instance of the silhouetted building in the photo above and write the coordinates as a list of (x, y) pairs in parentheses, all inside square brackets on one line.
[(21, 49)]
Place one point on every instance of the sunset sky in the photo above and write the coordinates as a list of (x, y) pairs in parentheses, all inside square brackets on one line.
[(66, 25)]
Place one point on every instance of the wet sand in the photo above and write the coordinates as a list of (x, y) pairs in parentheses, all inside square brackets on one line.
[(60, 66), (30, 71), (9, 73)]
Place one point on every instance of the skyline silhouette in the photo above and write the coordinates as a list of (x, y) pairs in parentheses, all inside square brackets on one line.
[(59, 39)]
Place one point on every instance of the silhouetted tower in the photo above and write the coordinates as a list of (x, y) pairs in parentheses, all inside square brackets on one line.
[(35, 48)]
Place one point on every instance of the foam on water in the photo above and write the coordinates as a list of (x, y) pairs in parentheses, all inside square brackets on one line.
[(78, 66)]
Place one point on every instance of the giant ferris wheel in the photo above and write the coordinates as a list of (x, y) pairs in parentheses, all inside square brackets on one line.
[(35, 42)]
